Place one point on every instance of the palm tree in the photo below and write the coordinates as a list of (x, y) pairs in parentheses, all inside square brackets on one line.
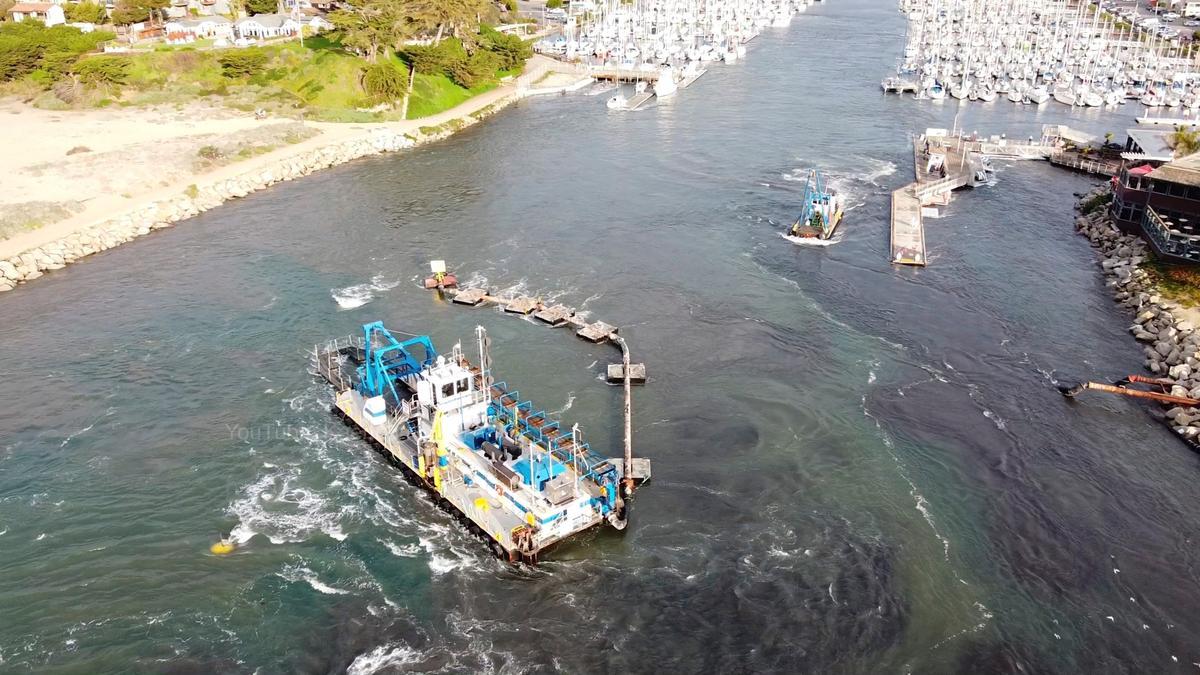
[(1185, 141)]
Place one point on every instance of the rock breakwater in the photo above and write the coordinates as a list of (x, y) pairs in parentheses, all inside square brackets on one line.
[(1170, 342)]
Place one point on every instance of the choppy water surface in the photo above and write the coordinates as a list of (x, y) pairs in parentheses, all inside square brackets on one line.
[(857, 467)]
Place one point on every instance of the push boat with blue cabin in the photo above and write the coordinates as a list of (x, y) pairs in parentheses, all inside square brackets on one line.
[(822, 211), (516, 478)]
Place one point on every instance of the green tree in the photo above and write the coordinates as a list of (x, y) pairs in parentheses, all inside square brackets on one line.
[(454, 16), (105, 70), (554, 4), (473, 70), (435, 59), (28, 46), (6, 5), (1185, 141), (261, 6), (371, 26), (86, 12), (384, 82), (511, 50), (136, 11)]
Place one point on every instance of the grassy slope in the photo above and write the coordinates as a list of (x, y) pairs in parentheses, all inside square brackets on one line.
[(318, 81)]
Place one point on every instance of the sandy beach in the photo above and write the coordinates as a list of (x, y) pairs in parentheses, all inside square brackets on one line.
[(69, 170)]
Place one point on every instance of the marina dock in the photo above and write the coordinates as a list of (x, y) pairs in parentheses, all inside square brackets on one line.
[(908, 235), (945, 161), (942, 164)]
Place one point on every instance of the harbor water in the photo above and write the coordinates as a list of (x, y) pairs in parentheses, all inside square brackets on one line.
[(857, 467)]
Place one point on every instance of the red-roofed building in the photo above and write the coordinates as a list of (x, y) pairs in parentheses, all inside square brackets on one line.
[(43, 12), (1130, 187)]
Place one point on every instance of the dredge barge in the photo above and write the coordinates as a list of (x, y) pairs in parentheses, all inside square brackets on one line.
[(517, 478)]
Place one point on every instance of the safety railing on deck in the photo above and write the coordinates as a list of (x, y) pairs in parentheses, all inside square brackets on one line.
[(1168, 240)]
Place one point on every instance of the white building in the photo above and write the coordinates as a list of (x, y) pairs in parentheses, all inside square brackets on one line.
[(45, 12), (200, 27), (266, 26)]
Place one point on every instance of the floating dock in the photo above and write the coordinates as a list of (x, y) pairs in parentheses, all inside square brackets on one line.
[(945, 161), (908, 234), (940, 167)]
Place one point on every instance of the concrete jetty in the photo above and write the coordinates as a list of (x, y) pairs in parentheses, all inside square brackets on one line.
[(942, 164), (944, 161)]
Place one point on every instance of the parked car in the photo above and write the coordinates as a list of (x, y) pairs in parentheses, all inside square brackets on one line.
[(1170, 16), (1191, 23)]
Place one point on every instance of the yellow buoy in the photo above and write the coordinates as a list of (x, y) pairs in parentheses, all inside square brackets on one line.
[(482, 504), (530, 518), (223, 547)]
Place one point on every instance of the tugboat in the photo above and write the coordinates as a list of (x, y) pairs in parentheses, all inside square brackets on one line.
[(822, 210), (516, 478)]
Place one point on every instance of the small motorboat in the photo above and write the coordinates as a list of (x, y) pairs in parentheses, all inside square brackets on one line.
[(618, 102)]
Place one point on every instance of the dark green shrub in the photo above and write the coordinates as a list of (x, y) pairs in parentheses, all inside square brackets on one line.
[(511, 51), (435, 59), (473, 71), (384, 82), (242, 62), (109, 70)]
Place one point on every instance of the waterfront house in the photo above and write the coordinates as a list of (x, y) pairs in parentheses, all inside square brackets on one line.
[(266, 26), (186, 30), (45, 12), (1171, 222), (1130, 188)]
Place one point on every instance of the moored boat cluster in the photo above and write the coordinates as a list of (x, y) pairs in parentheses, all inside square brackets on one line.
[(1034, 51), (1171, 342)]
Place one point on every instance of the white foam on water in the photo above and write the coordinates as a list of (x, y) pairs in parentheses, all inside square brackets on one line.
[(996, 419), (358, 295), (384, 656), (40, 537), (294, 512), (71, 437), (296, 573), (476, 280), (813, 241), (567, 406), (405, 551), (922, 505)]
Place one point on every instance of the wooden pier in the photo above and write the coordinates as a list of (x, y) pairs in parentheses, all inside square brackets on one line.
[(623, 74), (942, 164), (908, 235), (1085, 164)]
